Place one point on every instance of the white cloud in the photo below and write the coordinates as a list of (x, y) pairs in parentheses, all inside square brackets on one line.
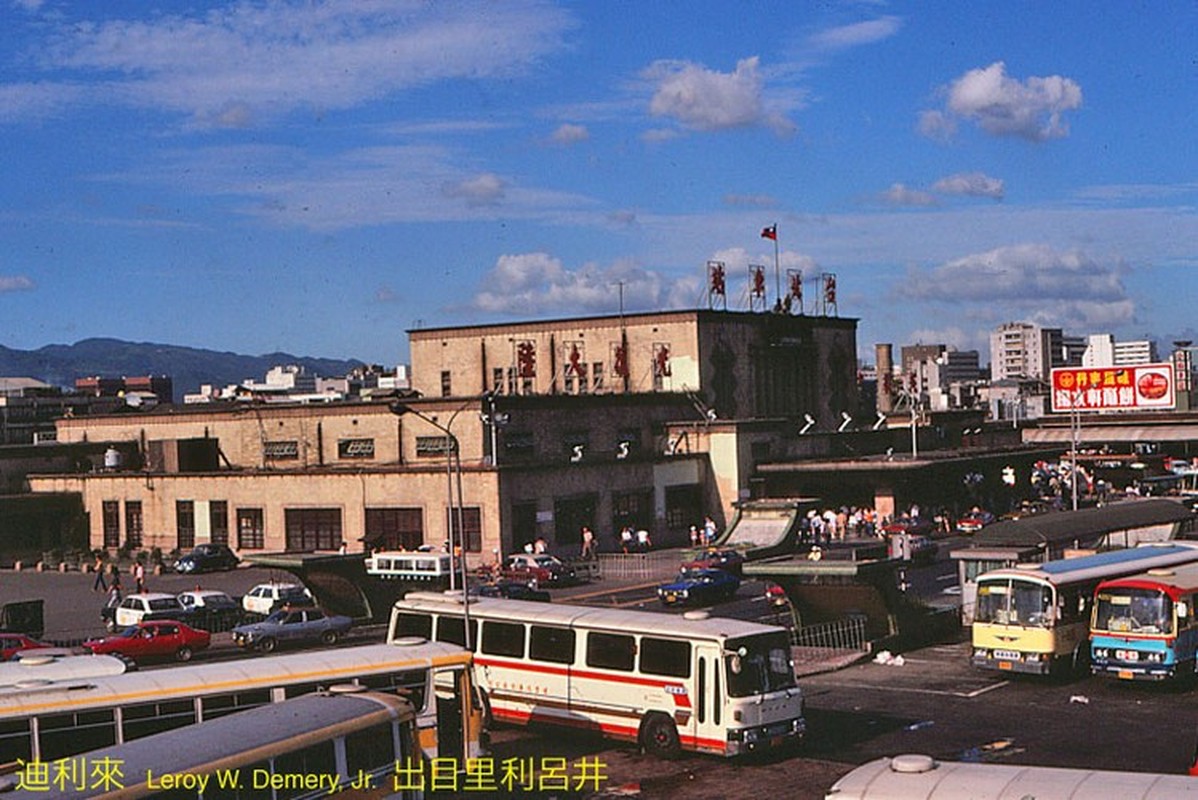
[(483, 190), (36, 101), (1032, 109), (901, 195), (656, 135), (537, 283), (860, 33), (1036, 281), (15, 283), (705, 100), (248, 60), (972, 184), (570, 134)]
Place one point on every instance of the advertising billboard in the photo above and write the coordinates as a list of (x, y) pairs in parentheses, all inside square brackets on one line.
[(1140, 388)]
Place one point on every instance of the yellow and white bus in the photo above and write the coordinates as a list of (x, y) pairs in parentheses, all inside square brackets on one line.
[(1035, 618), (668, 682)]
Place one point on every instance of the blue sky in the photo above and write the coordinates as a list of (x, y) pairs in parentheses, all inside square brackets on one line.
[(321, 177)]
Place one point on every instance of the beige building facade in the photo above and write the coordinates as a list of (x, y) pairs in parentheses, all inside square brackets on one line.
[(640, 420)]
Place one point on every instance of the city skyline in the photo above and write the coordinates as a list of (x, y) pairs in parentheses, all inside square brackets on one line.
[(319, 178)]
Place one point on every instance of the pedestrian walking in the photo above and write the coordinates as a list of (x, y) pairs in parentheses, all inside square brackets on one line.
[(626, 539), (99, 585), (643, 542), (139, 576), (588, 544), (694, 536), (709, 530)]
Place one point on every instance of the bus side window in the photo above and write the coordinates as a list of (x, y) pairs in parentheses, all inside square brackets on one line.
[(408, 624), (453, 631), (668, 657), (702, 710), (551, 644), (503, 639), (610, 651)]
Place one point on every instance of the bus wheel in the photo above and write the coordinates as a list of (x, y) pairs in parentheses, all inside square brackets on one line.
[(183, 654), (659, 736)]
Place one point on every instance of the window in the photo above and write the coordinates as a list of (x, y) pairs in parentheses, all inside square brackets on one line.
[(66, 734), (429, 446), (472, 522), (413, 625), (665, 657), (251, 529), (280, 451), (597, 376), (148, 718), (218, 521), (497, 380), (309, 529), (355, 448), (112, 523), (453, 630), (610, 651), (446, 384), (133, 523), (222, 704), (317, 759), (395, 528), (684, 505), (503, 639), (364, 751), (185, 524), (551, 644)]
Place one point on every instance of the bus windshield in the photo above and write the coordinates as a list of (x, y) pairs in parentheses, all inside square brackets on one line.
[(1134, 611), (1007, 602), (759, 664)]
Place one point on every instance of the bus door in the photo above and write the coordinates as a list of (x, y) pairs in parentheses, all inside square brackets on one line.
[(451, 689), (706, 731)]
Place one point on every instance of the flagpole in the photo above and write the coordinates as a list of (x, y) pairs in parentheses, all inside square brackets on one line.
[(777, 275)]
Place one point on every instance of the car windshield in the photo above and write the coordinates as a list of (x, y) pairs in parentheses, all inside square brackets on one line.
[(164, 604), (1006, 602), (759, 664), (1134, 611)]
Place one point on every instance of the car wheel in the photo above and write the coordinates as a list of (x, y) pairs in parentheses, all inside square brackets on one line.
[(330, 637), (183, 654), (267, 645), (659, 736)]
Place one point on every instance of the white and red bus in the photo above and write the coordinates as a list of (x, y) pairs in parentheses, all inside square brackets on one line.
[(670, 683)]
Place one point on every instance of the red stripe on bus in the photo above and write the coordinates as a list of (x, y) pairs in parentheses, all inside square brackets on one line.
[(614, 731), (681, 699)]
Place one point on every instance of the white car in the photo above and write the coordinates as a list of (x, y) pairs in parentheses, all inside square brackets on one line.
[(268, 597), (137, 608)]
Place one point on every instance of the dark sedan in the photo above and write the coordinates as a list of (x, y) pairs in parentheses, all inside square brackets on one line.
[(715, 558), (207, 558), (702, 587), (512, 590), (292, 626)]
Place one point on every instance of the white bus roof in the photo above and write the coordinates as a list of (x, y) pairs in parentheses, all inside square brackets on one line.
[(1101, 565), (908, 777), (612, 619)]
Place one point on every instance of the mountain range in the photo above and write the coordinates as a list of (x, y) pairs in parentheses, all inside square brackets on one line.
[(188, 367)]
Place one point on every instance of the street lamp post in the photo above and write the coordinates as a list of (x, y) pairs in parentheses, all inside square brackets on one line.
[(453, 463)]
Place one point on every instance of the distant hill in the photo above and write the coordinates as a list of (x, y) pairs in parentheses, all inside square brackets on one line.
[(188, 367)]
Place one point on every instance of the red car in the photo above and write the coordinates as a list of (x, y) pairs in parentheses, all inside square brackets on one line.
[(152, 640), (728, 560), (13, 643)]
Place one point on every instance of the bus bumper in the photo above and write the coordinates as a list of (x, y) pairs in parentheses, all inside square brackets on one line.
[(765, 737), (1026, 663), (1136, 672)]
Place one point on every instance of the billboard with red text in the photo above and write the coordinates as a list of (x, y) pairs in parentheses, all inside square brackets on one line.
[(1139, 388)]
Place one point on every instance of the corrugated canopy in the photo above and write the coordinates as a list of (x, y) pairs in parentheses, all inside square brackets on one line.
[(1065, 526)]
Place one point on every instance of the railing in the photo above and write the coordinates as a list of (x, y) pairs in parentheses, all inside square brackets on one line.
[(815, 642), (644, 566)]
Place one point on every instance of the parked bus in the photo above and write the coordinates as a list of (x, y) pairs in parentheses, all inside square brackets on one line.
[(431, 569), (57, 719), (919, 777), (1035, 618), (312, 746), (1145, 627), (667, 682), (34, 667)]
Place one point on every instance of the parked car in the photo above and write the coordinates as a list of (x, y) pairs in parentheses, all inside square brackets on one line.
[(210, 610), (292, 626), (700, 587), (141, 607), (146, 641), (776, 596), (13, 643), (537, 569), (726, 559), (512, 590), (207, 558), (974, 521), (266, 598), (916, 525)]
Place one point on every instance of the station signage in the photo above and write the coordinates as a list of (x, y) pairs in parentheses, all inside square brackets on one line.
[(1138, 388)]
